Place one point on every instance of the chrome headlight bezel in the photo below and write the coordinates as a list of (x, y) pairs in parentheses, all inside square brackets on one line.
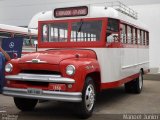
[(70, 70), (8, 67)]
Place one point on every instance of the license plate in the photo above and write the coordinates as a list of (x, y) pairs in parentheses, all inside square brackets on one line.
[(57, 87), (34, 91)]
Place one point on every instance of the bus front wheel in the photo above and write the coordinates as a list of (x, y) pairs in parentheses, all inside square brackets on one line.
[(86, 106), (25, 104)]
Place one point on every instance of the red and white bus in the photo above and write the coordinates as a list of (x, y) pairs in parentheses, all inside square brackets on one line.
[(28, 35), (88, 49)]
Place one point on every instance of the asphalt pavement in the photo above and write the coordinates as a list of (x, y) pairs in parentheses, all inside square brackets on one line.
[(111, 104)]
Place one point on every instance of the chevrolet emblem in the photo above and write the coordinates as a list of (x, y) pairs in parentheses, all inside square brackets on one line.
[(36, 61)]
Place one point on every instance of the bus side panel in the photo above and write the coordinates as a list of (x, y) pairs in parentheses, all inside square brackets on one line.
[(133, 59), (110, 63), (120, 65)]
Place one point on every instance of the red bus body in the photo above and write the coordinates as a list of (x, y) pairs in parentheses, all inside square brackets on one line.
[(73, 55)]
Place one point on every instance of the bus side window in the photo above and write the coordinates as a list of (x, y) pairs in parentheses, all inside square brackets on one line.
[(112, 30), (147, 37), (142, 37), (113, 37), (109, 37), (129, 34), (138, 36), (133, 35), (45, 33), (123, 33)]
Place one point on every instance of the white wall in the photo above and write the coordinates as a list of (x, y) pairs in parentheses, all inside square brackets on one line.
[(19, 12)]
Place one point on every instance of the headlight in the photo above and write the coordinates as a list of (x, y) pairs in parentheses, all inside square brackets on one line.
[(9, 67), (70, 70)]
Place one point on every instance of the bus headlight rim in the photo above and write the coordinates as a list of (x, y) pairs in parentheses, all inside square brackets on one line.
[(8, 67), (70, 70)]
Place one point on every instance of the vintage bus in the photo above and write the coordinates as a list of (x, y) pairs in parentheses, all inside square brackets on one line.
[(29, 36), (88, 49)]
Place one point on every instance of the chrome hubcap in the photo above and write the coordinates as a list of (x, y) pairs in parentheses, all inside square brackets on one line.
[(89, 97), (140, 81)]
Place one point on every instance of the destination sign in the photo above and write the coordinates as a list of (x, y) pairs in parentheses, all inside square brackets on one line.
[(71, 11)]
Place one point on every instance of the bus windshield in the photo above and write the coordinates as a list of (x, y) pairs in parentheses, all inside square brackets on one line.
[(86, 31), (80, 31)]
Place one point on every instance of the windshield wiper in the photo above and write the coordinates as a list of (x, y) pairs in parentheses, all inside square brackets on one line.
[(79, 29)]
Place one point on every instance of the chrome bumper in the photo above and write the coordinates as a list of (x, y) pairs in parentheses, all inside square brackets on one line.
[(44, 95), (40, 78)]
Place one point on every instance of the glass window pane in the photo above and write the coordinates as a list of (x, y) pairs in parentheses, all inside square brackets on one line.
[(142, 37), (113, 25), (58, 32), (134, 36), (145, 38), (129, 34), (138, 36), (123, 33), (82, 31), (45, 33)]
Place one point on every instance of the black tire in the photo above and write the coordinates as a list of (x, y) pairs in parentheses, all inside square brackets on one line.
[(135, 86), (129, 87), (25, 104), (84, 110)]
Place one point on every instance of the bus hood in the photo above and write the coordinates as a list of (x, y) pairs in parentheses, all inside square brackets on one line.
[(56, 56)]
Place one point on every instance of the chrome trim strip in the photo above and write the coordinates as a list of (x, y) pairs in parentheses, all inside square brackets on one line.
[(39, 78), (45, 95), (36, 62), (128, 66)]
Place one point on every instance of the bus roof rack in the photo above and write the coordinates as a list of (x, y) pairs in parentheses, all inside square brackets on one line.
[(119, 6)]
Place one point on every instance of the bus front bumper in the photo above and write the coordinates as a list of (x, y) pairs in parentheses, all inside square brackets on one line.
[(43, 94)]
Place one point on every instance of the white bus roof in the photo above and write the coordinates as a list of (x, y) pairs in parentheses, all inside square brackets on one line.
[(40, 17), (18, 30), (93, 12)]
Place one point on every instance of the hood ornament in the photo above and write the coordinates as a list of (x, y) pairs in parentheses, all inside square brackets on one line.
[(36, 61)]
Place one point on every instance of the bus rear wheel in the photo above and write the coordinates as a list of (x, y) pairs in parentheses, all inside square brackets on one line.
[(25, 104), (135, 86)]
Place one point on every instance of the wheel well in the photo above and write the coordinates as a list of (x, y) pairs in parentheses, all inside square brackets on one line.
[(96, 79)]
